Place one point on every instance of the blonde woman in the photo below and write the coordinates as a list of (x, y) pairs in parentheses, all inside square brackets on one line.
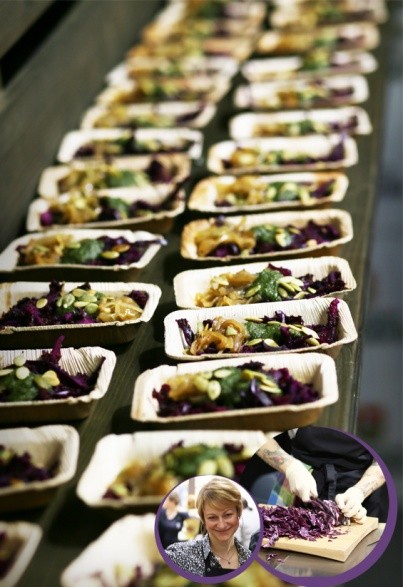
[(219, 505)]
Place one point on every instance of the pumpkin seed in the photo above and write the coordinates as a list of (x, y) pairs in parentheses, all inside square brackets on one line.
[(78, 292), (80, 304), (19, 361), (91, 308), (254, 341), (313, 341), (22, 373), (230, 331), (201, 383), (68, 300), (121, 248), (52, 378), (213, 389), (41, 303), (110, 254), (4, 372), (270, 342)]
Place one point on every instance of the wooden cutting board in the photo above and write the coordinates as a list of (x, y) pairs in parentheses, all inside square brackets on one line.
[(338, 548)]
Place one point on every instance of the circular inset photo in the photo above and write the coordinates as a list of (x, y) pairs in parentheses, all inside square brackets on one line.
[(205, 527), (328, 505)]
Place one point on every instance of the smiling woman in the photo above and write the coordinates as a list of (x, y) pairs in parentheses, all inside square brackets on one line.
[(217, 552)]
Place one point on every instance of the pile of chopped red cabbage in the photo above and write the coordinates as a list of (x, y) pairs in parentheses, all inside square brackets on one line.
[(16, 469), (309, 521)]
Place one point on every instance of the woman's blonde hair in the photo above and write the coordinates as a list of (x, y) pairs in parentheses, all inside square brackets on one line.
[(219, 492)]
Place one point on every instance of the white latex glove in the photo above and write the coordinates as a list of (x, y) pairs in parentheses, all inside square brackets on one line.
[(350, 502), (300, 480), (361, 516)]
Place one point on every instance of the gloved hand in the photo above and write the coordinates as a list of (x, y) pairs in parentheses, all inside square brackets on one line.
[(300, 480), (361, 516), (350, 502)]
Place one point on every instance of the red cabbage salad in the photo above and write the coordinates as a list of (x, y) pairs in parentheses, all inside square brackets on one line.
[(129, 144), (162, 473), (251, 385), (272, 284), (222, 238), (81, 305), (309, 521), (18, 469), (102, 251), (247, 190), (106, 175), (44, 379), (255, 156), (258, 335), (86, 207)]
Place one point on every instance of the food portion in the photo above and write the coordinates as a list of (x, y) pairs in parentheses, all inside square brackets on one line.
[(107, 175), (87, 207), (304, 127), (44, 378), (63, 249), (250, 190), (129, 144), (309, 94), (309, 521), (222, 238), (17, 470), (323, 12), (158, 89), (160, 475), (273, 284), (81, 305), (279, 332), (255, 157), (251, 385), (122, 116)]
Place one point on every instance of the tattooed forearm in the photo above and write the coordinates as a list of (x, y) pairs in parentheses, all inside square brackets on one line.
[(371, 480), (274, 455)]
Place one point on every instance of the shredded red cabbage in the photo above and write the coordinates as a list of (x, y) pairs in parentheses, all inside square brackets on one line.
[(309, 521)]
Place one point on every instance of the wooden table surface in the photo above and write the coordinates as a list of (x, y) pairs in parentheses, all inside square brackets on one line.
[(69, 525)]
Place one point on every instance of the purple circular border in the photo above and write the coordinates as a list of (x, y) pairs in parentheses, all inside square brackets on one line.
[(379, 549), (198, 578)]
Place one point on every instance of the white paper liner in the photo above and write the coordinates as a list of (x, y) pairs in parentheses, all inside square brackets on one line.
[(9, 257), (73, 140), (30, 536), (205, 112), (128, 543), (312, 311), (313, 145), (243, 126), (188, 284), (46, 445), (364, 34), (340, 218), (48, 188), (114, 452), (263, 95), (355, 61), (205, 192), (150, 194), (10, 293), (84, 360)]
